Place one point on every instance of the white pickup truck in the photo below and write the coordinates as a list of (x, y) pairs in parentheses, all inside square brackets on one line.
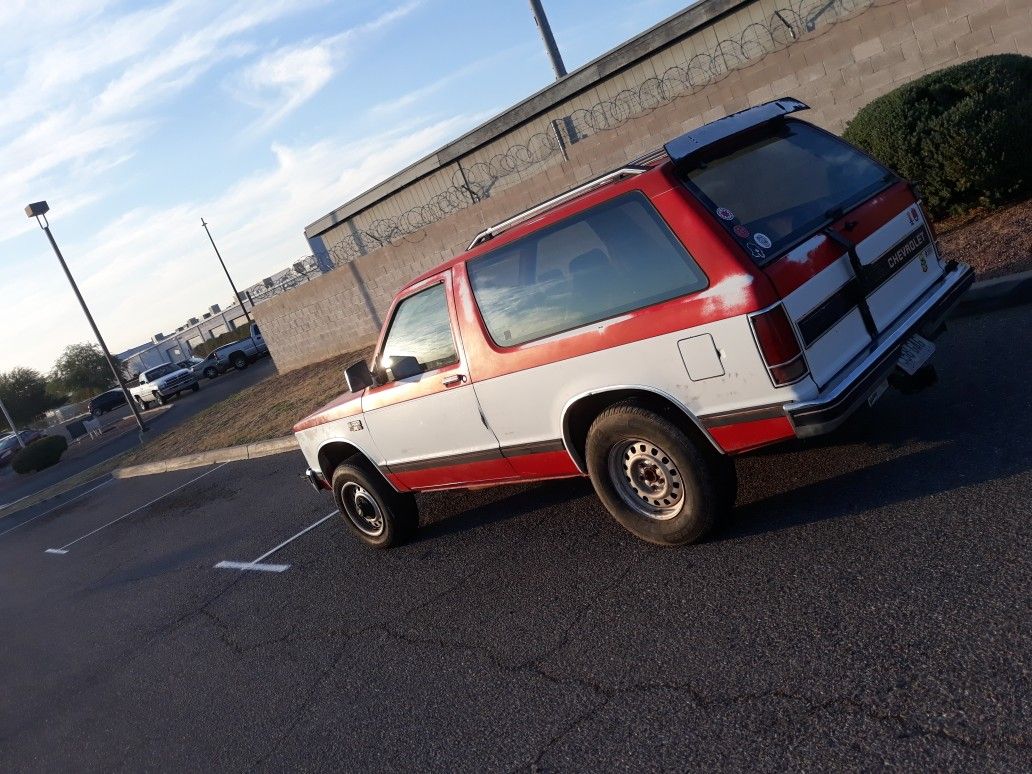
[(159, 384), (240, 354)]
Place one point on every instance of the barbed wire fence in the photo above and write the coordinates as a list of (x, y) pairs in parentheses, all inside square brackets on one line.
[(474, 182)]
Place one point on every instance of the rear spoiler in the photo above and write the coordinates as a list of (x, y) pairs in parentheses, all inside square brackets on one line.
[(689, 146)]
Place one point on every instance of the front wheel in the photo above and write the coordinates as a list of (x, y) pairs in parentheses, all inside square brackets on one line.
[(380, 516), (160, 399), (143, 404), (656, 480), (211, 372), (195, 386)]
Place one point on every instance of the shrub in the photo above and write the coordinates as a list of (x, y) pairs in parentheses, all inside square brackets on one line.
[(40, 454), (962, 133)]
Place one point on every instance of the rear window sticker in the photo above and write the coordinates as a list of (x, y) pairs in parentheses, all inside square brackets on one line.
[(755, 251), (725, 214), (742, 232), (762, 240)]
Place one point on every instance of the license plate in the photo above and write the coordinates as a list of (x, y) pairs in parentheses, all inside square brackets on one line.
[(916, 352), (877, 393)]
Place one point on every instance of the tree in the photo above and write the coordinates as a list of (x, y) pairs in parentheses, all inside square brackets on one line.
[(82, 371), (24, 392)]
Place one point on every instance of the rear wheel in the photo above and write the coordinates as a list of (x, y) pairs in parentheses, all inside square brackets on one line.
[(380, 516), (239, 361), (655, 479)]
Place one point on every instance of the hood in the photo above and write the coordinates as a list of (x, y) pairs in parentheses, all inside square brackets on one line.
[(173, 375), (347, 405)]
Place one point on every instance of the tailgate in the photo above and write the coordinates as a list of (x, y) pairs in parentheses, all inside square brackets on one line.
[(852, 280)]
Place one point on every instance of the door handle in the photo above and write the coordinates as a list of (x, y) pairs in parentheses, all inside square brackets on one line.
[(451, 381)]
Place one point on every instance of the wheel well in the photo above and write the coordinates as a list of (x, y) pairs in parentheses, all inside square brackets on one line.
[(579, 416), (333, 454)]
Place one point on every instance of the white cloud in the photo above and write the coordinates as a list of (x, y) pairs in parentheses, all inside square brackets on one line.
[(282, 81), (285, 79)]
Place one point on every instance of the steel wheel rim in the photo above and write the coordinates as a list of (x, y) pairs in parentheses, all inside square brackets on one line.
[(362, 509), (646, 478)]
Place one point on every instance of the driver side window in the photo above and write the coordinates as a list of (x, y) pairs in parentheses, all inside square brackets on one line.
[(421, 329)]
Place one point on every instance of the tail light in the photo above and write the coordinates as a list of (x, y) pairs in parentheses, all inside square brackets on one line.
[(779, 346)]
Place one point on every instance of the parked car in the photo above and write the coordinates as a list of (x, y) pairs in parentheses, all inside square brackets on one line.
[(756, 280), (106, 401), (161, 383), (240, 354), (9, 445), (209, 367)]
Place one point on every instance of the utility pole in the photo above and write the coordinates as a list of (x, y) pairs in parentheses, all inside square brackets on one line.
[(39, 210), (546, 35), (10, 421), (236, 292)]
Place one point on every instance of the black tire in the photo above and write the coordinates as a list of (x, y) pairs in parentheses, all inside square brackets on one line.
[(160, 399), (143, 404), (634, 454), (211, 372), (196, 386), (238, 360), (97, 412), (371, 508)]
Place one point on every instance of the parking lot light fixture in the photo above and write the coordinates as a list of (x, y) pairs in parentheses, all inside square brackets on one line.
[(39, 210)]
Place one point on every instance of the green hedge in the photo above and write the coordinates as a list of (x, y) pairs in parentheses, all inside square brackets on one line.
[(39, 454), (964, 133)]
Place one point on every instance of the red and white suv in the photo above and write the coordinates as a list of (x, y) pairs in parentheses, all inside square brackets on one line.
[(756, 280)]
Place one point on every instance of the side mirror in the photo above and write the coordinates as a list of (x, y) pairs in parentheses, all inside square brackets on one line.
[(358, 376), (403, 367)]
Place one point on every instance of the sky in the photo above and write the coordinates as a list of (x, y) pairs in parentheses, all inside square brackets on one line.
[(134, 120)]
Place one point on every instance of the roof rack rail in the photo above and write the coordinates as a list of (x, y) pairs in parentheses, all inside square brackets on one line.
[(627, 170), (648, 158)]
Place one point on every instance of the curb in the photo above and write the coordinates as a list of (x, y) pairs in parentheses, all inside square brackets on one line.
[(248, 451), (984, 296), (996, 293)]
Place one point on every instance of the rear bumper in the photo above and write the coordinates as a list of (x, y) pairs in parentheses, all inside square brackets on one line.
[(824, 414)]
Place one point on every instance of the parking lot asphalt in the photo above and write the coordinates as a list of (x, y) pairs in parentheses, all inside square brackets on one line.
[(867, 607)]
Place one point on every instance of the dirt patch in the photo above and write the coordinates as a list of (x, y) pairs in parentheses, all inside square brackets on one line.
[(268, 409), (994, 243)]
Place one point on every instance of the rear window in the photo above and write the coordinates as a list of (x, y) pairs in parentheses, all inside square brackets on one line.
[(777, 189), (611, 259)]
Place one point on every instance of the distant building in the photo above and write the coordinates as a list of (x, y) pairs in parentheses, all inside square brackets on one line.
[(179, 345)]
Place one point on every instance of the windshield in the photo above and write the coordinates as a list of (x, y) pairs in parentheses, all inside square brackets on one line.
[(8, 443), (160, 371), (777, 189)]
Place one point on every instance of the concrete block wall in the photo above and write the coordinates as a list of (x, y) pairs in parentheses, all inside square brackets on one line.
[(837, 70)]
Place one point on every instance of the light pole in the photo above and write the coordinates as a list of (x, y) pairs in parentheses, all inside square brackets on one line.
[(10, 421), (39, 210), (549, 40), (219, 255)]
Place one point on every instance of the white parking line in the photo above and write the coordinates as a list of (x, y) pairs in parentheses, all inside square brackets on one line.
[(257, 563), (56, 507), (64, 549)]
